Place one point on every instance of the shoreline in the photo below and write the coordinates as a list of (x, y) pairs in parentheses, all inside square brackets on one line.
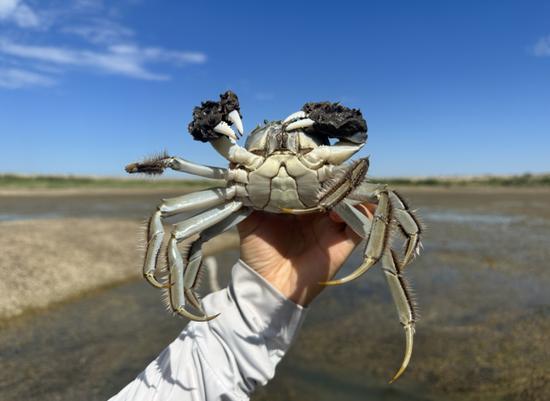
[(476, 189), (51, 261)]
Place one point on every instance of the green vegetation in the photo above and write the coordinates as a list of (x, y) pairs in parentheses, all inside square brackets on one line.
[(51, 181), (530, 180), (46, 181)]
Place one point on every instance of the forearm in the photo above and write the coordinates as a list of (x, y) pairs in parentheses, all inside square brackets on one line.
[(229, 356)]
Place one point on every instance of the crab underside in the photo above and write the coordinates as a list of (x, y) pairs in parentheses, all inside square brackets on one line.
[(286, 166)]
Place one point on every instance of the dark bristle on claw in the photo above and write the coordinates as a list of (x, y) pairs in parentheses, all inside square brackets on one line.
[(153, 165), (336, 121), (209, 114), (229, 102)]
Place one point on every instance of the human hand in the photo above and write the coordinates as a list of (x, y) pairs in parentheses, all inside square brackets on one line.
[(295, 253)]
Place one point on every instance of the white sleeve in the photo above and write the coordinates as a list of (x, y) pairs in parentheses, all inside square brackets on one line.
[(227, 357)]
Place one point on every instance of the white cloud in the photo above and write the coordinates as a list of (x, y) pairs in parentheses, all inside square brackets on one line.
[(107, 46), (542, 47), (100, 31), (126, 60), (18, 12), (13, 78)]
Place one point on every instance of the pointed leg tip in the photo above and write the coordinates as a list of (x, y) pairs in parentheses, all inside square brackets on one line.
[(397, 375), (331, 283), (183, 312), (151, 279), (367, 264)]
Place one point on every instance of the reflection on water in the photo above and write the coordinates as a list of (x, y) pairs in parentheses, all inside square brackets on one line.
[(469, 218), (482, 286)]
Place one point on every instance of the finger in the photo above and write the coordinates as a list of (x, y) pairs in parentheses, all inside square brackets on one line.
[(367, 209)]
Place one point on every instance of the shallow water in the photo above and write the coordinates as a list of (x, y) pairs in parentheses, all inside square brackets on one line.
[(481, 283)]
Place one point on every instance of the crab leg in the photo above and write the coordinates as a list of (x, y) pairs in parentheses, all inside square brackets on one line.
[(408, 222), (169, 207), (356, 220), (403, 302), (176, 265), (410, 225), (193, 264), (157, 165), (377, 240)]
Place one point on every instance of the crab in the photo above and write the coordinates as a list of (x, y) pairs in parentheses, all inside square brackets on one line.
[(286, 166)]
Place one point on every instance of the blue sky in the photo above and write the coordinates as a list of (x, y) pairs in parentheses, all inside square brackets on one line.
[(463, 87)]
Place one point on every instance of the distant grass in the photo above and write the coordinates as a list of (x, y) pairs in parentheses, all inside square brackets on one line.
[(51, 181), (57, 182), (523, 180)]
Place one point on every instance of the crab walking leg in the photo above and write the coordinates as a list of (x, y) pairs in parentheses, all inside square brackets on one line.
[(403, 302), (211, 265), (376, 243), (169, 207), (408, 222), (159, 164), (176, 264), (356, 220), (193, 264)]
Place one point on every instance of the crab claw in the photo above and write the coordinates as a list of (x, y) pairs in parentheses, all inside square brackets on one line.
[(224, 129), (235, 118), (300, 124), (213, 119), (332, 120), (295, 116)]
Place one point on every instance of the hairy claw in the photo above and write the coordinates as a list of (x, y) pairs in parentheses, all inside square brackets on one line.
[(336, 121), (210, 114)]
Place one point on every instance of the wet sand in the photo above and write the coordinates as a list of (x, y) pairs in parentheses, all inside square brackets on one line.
[(57, 245), (481, 283)]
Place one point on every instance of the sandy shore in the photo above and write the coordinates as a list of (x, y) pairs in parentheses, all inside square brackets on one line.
[(47, 261)]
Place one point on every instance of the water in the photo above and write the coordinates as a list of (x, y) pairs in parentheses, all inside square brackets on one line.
[(482, 286)]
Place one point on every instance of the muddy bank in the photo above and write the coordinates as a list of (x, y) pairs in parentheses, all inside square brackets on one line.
[(47, 261)]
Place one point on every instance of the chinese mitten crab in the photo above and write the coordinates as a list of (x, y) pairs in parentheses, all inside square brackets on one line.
[(287, 166)]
